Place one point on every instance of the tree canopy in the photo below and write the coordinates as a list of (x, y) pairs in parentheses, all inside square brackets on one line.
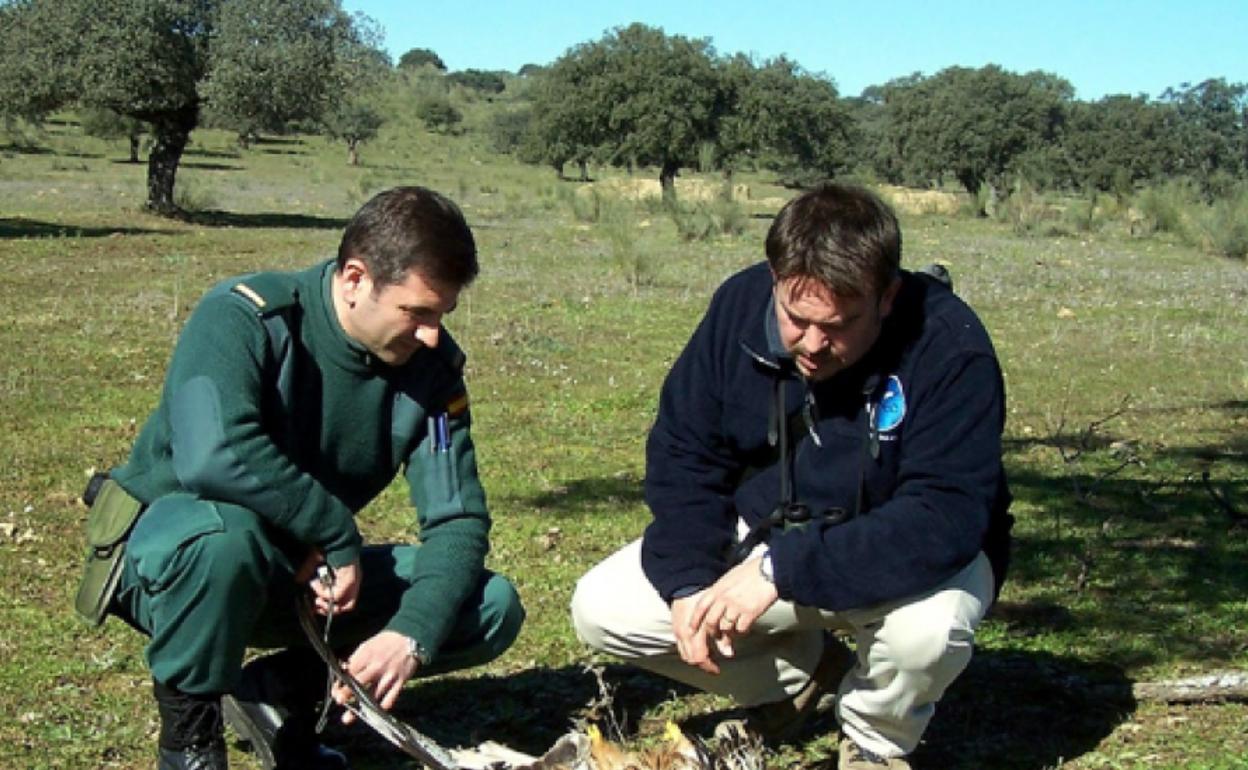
[(1119, 141), (636, 97), (479, 80), (352, 122), (1212, 130), (420, 57), (780, 117), (107, 124), (972, 123), (258, 63)]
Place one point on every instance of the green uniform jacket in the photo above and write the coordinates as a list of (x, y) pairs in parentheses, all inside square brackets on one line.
[(306, 428)]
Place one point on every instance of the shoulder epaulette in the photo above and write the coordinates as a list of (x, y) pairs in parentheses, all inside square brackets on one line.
[(268, 293)]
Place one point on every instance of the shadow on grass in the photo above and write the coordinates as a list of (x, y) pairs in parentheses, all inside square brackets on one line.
[(1105, 437), (211, 154), (265, 220), (26, 149), (1143, 540), (1025, 710), (210, 166), (31, 228), (1008, 710), (575, 497), (290, 141)]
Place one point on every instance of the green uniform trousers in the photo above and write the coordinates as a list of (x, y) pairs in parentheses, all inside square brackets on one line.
[(206, 580)]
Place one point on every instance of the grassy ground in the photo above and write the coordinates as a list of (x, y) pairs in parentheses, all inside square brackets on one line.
[(1125, 362)]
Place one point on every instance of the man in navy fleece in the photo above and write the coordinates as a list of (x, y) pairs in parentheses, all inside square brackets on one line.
[(826, 459)]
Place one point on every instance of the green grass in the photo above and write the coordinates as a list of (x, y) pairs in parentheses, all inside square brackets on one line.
[(1125, 364)]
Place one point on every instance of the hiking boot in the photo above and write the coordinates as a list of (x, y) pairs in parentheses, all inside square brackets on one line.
[(274, 710), (851, 756), (783, 720), (191, 735), (208, 757)]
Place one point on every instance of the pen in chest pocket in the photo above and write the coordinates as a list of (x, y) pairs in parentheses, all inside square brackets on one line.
[(439, 433)]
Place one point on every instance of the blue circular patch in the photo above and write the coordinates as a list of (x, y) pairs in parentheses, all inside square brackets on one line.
[(892, 407)]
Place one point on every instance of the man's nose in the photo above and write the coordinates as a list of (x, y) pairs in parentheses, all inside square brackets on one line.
[(427, 334), (815, 340)]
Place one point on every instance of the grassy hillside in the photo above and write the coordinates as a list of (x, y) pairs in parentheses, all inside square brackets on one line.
[(1125, 361)]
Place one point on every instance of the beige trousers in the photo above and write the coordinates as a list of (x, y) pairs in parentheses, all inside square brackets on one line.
[(908, 651)]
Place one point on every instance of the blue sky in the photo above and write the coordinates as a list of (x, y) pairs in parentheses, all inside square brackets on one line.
[(1100, 47)]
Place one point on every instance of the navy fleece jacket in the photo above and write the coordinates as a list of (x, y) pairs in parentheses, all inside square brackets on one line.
[(909, 439)]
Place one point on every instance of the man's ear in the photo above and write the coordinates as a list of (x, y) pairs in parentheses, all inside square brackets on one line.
[(355, 277), (890, 294)]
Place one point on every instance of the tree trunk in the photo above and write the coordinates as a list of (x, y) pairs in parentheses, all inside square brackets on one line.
[(134, 147), (584, 170), (353, 152), (667, 179), (170, 134), (972, 182)]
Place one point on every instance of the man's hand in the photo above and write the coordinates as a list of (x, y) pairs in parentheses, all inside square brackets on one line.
[(729, 608), (692, 640), (344, 591), (381, 665)]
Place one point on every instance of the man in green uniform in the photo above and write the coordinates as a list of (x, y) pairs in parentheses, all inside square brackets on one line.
[(291, 401)]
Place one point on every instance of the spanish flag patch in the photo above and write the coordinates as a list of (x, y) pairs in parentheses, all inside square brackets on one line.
[(457, 405)]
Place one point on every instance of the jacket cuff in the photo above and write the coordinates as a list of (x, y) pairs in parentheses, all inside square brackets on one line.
[(340, 557)]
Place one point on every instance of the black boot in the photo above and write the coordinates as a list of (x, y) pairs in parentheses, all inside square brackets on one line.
[(191, 734), (274, 710)]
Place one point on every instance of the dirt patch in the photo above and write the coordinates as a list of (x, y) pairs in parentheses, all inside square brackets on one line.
[(903, 199), (908, 201), (643, 189)]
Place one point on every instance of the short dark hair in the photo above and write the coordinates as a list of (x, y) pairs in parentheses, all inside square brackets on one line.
[(411, 228), (841, 235)]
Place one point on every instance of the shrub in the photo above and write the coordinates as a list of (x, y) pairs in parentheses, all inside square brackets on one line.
[(1088, 215), (1029, 212), (1163, 208), (983, 203), (479, 80), (706, 157), (729, 215), (702, 220), (438, 113), (637, 266), (508, 128), (693, 222), (20, 134), (586, 205), (1222, 228), (192, 197)]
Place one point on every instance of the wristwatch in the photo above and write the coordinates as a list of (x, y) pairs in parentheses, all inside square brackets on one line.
[(766, 569), (417, 652)]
